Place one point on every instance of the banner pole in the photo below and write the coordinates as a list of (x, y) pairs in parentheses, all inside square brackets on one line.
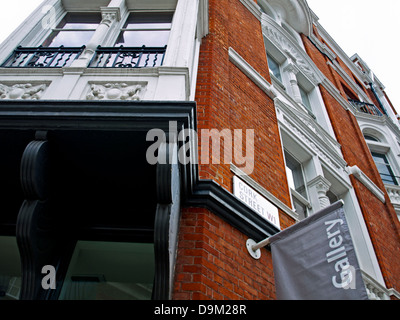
[(255, 248), (261, 244)]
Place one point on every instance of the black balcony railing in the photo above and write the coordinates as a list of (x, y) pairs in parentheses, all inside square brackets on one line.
[(42, 57), (128, 57), (366, 107)]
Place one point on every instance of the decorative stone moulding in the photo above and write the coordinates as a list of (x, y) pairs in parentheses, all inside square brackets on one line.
[(25, 91), (116, 91)]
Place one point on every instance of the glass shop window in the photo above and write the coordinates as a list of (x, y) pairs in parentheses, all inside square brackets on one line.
[(110, 271), (74, 30), (150, 29), (10, 269)]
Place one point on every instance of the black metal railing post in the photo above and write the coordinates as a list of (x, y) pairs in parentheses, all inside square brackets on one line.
[(42, 57), (365, 107), (128, 57)]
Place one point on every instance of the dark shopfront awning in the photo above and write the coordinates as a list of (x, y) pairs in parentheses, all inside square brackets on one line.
[(78, 170), (96, 160)]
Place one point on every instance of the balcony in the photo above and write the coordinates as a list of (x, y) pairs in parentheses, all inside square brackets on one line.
[(376, 291), (128, 57), (42, 57), (394, 195), (114, 57), (366, 108)]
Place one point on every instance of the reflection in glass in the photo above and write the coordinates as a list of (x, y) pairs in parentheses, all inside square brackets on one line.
[(10, 269), (75, 30), (146, 29), (384, 169), (110, 271)]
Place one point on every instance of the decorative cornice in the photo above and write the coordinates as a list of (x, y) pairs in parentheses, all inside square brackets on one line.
[(303, 127), (280, 38)]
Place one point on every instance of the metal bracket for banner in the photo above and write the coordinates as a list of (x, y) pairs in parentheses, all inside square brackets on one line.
[(254, 248)]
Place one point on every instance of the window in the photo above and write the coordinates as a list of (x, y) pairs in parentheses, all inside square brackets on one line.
[(384, 169), (10, 269), (305, 98), (146, 29), (295, 175), (110, 271), (274, 67), (74, 30), (294, 171), (371, 138)]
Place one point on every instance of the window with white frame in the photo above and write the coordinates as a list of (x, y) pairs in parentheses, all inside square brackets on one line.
[(296, 181), (384, 168), (305, 98), (74, 30), (150, 29), (381, 153), (274, 67)]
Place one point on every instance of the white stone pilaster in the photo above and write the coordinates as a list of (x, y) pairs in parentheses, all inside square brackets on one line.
[(317, 189), (292, 71), (183, 34), (110, 15)]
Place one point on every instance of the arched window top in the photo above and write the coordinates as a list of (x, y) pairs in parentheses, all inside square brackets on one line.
[(371, 134), (295, 13), (371, 138)]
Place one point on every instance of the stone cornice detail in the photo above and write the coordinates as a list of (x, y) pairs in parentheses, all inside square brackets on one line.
[(277, 35), (311, 134)]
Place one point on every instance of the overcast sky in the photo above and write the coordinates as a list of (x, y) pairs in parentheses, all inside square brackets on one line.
[(367, 27)]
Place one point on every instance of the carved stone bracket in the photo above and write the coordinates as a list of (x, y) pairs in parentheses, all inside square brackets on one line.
[(166, 221), (110, 14)]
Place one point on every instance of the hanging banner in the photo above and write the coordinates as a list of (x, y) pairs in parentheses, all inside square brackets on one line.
[(315, 259)]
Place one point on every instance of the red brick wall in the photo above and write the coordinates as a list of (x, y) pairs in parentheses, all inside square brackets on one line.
[(381, 219), (228, 99), (213, 262)]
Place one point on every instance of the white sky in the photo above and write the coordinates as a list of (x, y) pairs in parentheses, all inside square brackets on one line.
[(367, 27)]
